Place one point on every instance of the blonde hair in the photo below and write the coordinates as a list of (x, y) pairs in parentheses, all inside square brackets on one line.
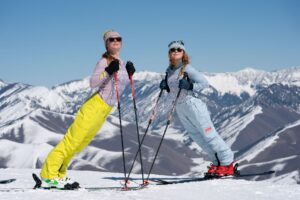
[(108, 57), (185, 61)]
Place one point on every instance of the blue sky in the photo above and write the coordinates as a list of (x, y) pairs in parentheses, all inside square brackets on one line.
[(51, 42)]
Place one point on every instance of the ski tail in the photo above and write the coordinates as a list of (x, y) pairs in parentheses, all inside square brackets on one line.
[(255, 174)]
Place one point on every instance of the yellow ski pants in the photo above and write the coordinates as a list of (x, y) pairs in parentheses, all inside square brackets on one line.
[(85, 126)]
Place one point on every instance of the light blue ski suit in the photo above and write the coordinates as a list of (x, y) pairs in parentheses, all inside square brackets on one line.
[(195, 117)]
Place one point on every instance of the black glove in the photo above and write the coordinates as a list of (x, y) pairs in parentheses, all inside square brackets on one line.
[(164, 85), (130, 68), (185, 83), (112, 67)]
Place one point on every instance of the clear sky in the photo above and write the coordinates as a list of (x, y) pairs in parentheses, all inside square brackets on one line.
[(55, 41)]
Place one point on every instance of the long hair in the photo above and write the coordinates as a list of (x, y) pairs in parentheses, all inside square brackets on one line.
[(185, 61), (108, 57)]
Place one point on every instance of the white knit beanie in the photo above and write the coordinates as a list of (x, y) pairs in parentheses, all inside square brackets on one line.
[(110, 34), (176, 44)]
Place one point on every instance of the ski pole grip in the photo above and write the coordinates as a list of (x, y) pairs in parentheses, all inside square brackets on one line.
[(130, 68)]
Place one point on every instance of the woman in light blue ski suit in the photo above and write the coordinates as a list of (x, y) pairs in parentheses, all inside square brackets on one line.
[(192, 112)]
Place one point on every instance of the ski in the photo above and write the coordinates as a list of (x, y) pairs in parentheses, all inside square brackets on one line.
[(7, 181), (76, 187), (168, 182), (236, 176), (255, 174), (88, 189)]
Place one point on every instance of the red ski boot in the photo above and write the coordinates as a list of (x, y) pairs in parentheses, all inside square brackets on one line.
[(211, 170), (222, 170)]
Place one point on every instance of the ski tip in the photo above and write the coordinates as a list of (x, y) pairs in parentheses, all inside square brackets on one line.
[(37, 181), (35, 177)]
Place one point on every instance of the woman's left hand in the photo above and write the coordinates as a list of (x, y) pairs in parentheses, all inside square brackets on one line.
[(130, 68), (185, 84)]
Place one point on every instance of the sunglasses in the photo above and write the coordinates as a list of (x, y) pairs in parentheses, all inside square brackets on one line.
[(178, 41), (176, 49), (118, 39)]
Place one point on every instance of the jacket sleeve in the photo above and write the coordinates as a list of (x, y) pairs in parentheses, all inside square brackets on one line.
[(197, 78), (99, 75)]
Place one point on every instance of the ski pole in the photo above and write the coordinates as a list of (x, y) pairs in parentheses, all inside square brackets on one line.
[(144, 136), (162, 138), (137, 125), (146, 131), (167, 125), (121, 131)]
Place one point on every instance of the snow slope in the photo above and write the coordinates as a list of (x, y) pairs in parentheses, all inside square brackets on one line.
[(212, 190)]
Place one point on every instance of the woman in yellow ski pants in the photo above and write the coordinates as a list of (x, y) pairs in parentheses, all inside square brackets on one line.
[(91, 115), (88, 121)]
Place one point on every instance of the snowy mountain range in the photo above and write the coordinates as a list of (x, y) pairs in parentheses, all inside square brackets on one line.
[(256, 112)]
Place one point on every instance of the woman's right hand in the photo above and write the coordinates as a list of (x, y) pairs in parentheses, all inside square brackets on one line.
[(164, 85), (112, 67)]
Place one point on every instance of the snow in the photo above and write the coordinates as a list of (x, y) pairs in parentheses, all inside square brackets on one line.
[(147, 76), (99, 155), (237, 124), (42, 95), (277, 163), (212, 190), (235, 82), (261, 146), (25, 155), (245, 80), (2, 84), (289, 178), (73, 85), (38, 134)]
